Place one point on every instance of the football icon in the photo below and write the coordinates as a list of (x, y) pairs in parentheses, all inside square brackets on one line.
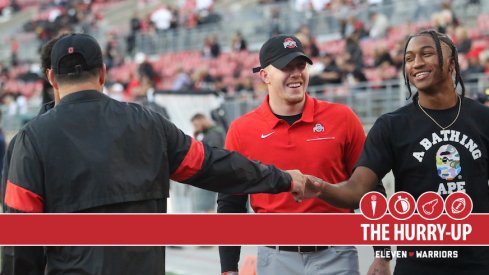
[(458, 205)]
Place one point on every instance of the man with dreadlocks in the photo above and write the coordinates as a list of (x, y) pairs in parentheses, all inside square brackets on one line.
[(411, 139)]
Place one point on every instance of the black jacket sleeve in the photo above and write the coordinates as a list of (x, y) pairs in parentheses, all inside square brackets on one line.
[(20, 260), (229, 255), (231, 173), (6, 165)]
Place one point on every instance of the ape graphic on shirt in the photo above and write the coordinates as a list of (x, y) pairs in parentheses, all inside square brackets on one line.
[(448, 162)]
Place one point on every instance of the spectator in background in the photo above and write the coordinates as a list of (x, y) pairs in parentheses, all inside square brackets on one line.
[(464, 43), (274, 21), (331, 73), (445, 18), (14, 52), (348, 26), (211, 48), (379, 25), (238, 43), (308, 41), (134, 28), (202, 79), (113, 52), (484, 57), (245, 85), (161, 18), (474, 67), (398, 54), (146, 69), (342, 11), (381, 55), (175, 15), (145, 95), (182, 80), (386, 71), (354, 51), (220, 85), (484, 97), (352, 74), (206, 131)]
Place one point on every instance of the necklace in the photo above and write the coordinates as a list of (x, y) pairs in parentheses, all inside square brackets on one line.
[(443, 128)]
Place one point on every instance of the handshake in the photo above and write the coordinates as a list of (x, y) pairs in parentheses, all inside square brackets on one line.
[(305, 186)]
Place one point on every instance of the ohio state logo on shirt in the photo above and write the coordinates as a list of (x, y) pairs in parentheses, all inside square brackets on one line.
[(289, 43), (318, 128)]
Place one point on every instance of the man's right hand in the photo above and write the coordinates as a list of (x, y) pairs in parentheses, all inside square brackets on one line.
[(298, 183)]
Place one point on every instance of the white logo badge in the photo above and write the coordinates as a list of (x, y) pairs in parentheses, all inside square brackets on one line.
[(289, 43), (266, 135), (318, 128)]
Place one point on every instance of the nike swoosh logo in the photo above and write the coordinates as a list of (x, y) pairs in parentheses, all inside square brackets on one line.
[(267, 135), (324, 138)]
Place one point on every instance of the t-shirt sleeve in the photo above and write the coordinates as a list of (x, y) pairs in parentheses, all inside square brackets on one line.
[(377, 152), (24, 186)]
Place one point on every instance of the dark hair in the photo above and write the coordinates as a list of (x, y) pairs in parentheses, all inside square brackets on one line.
[(437, 37), (197, 116), (74, 60), (46, 53)]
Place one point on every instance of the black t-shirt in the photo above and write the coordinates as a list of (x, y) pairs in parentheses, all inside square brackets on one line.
[(423, 157)]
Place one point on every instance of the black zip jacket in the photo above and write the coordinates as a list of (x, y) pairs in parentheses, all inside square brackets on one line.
[(94, 154)]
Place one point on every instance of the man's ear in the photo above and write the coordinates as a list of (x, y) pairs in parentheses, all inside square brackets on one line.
[(264, 76), (452, 65), (103, 72), (52, 78)]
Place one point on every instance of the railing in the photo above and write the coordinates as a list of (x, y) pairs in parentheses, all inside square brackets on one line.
[(367, 100)]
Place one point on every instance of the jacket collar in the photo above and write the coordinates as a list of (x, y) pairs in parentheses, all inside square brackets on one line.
[(267, 114), (85, 95)]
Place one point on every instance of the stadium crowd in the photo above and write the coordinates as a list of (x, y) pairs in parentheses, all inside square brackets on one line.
[(367, 51)]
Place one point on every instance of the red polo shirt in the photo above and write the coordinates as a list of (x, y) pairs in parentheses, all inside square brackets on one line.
[(326, 142)]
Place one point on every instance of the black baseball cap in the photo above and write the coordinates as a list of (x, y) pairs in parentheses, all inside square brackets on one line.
[(279, 51), (76, 43)]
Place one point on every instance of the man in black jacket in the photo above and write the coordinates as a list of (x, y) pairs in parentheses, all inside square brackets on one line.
[(93, 154)]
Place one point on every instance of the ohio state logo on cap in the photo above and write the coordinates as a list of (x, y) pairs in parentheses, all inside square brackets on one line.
[(71, 50), (289, 43)]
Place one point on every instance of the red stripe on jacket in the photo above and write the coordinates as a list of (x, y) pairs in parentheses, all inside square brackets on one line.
[(22, 199), (191, 164)]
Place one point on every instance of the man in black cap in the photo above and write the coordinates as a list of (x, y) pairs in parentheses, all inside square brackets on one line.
[(93, 154), (292, 129)]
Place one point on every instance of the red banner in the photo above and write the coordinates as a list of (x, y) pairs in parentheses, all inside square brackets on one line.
[(253, 229)]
